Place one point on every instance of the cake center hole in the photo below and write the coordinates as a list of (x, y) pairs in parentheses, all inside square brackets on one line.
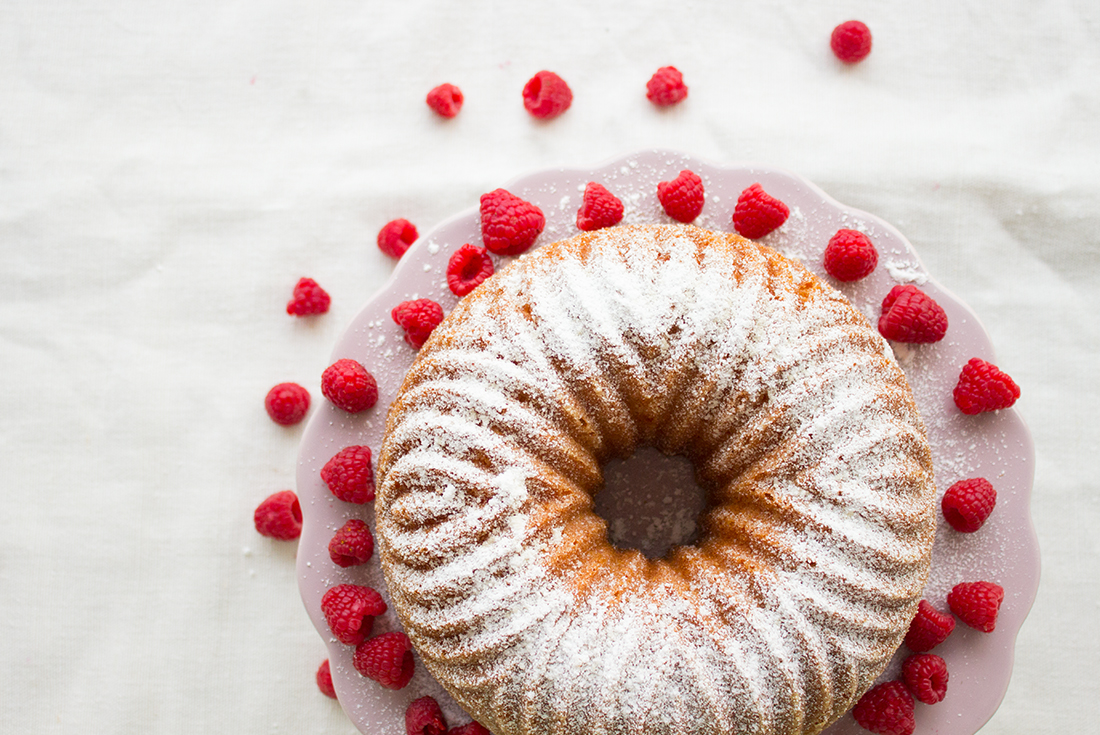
[(651, 502)]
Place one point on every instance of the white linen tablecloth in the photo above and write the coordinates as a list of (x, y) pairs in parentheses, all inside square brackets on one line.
[(168, 171)]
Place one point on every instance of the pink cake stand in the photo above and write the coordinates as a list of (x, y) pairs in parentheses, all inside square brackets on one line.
[(996, 445)]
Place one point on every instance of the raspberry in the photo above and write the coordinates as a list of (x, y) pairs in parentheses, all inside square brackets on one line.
[(279, 516), (977, 604), (387, 659), (926, 676), (418, 318), (982, 387), (509, 225), (682, 198), (758, 213), (910, 315), (424, 717), (886, 709), (350, 610), (851, 41), (967, 504), (287, 403), (928, 629), (445, 100), (470, 728), (324, 680), (395, 237), (467, 268), (666, 87), (349, 386), (850, 256), (599, 208), (309, 298), (349, 475), (546, 95), (353, 544)]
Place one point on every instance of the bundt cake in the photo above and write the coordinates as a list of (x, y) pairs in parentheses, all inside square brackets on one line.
[(816, 538)]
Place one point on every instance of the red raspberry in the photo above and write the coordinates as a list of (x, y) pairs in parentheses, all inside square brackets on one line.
[(470, 728), (445, 100), (324, 680), (418, 318), (424, 717), (967, 504), (395, 237), (926, 676), (682, 198), (851, 41), (977, 604), (599, 208), (928, 629), (509, 225), (279, 516), (467, 268), (666, 87), (349, 386), (350, 610), (886, 709), (910, 315), (850, 256), (387, 659), (758, 213), (287, 403), (309, 298), (546, 95), (982, 387), (352, 544), (349, 475)]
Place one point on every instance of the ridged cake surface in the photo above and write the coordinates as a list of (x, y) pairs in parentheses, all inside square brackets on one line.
[(814, 545)]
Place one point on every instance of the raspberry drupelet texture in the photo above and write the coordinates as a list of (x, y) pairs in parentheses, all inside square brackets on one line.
[(352, 544), (910, 315), (350, 610), (887, 709), (387, 659), (929, 628), (851, 41), (984, 387), (546, 95), (418, 318), (349, 475), (279, 516), (850, 255), (599, 208), (308, 299), (445, 100), (396, 236), (683, 197), (977, 604), (468, 268), (666, 87), (349, 386), (424, 717), (509, 225), (758, 213), (324, 680), (287, 403), (968, 503), (925, 675)]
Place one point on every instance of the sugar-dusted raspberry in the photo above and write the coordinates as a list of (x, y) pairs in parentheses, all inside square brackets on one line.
[(666, 87), (387, 659), (308, 298), (928, 629), (396, 236), (850, 255), (967, 504), (349, 475), (468, 267), (509, 225), (977, 604), (445, 100), (851, 41), (418, 318), (599, 208), (350, 610), (887, 709), (983, 386), (279, 516), (324, 680), (349, 386), (470, 728), (926, 676), (758, 213), (682, 198), (910, 315), (287, 403), (352, 544), (424, 717), (546, 95)]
